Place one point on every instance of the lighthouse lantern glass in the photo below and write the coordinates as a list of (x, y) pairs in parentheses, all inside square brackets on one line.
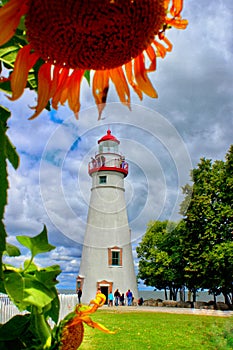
[(108, 147)]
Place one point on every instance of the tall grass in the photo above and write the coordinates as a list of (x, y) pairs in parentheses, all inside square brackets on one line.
[(158, 331)]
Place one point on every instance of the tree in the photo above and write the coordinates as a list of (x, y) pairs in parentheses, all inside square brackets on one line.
[(209, 227), (161, 257)]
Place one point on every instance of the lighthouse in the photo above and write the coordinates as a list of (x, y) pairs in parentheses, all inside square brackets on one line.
[(107, 259)]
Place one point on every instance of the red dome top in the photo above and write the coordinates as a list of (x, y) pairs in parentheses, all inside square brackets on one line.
[(108, 137)]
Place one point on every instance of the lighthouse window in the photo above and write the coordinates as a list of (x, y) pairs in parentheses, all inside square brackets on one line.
[(115, 258), (103, 179)]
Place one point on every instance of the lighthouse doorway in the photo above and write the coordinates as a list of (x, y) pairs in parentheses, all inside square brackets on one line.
[(105, 287), (104, 290)]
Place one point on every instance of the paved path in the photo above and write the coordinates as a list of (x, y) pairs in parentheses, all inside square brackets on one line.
[(171, 310)]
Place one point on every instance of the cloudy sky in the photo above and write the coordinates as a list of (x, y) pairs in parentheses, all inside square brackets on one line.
[(162, 139)]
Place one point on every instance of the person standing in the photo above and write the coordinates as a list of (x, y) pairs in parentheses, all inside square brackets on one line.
[(79, 292), (117, 297), (122, 299), (129, 296), (110, 299)]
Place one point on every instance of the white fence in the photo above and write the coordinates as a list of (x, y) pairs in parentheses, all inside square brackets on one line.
[(8, 309)]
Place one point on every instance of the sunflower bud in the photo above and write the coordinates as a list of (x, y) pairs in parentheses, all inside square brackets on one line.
[(69, 333)]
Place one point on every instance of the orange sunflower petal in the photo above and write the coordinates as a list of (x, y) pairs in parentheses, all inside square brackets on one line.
[(23, 63), (61, 83), (166, 4), (44, 88), (141, 77), (55, 79), (10, 15), (118, 78), (97, 325), (65, 90), (177, 6), (161, 50), (7, 29), (131, 79), (152, 56), (99, 300), (178, 23), (100, 89), (74, 90), (162, 37), (64, 94), (169, 44)]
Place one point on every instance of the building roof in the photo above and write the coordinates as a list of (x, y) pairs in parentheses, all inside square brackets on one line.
[(108, 137)]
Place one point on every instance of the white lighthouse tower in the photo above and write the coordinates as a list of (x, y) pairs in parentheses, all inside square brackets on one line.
[(107, 260)]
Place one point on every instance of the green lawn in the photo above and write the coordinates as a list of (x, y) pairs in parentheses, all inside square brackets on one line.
[(146, 330)]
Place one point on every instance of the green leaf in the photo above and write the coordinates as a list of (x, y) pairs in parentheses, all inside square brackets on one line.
[(48, 275), (30, 266), (6, 50), (53, 311), (2, 234), (14, 285), (87, 76), (15, 327), (4, 115), (38, 244), (3, 2), (32, 81), (8, 56), (2, 287), (36, 293), (27, 291), (41, 328), (12, 345), (11, 154), (5, 86), (11, 250)]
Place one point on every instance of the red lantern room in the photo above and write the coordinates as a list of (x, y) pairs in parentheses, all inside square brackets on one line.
[(108, 156)]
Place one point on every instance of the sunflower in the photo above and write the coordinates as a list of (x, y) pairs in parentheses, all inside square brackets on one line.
[(69, 334), (117, 40)]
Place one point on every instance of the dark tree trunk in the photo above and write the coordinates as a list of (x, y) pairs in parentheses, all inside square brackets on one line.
[(173, 293), (227, 299), (215, 301), (194, 296), (170, 294)]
